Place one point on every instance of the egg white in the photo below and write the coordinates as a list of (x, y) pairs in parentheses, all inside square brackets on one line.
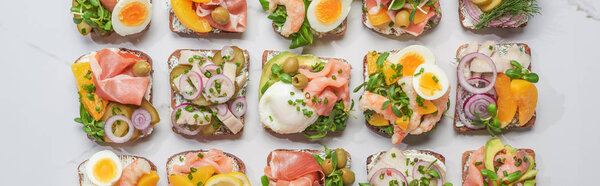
[(276, 113), (427, 55), (438, 72), (123, 30), (320, 27), (94, 160)]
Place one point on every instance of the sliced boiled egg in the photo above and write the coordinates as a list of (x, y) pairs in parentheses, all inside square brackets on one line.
[(430, 81), (411, 57), (280, 110), (104, 168), (131, 16), (326, 15)]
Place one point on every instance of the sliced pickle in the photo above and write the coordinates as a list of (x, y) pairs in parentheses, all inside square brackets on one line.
[(176, 72)]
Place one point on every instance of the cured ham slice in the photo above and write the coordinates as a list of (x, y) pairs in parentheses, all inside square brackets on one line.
[(417, 29), (287, 168), (215, 158), (113, 77), (327, 86), (237, 9), (373, 7)]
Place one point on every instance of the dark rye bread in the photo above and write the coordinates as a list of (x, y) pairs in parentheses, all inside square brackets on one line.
[(457, 106), (392, 32), (310, 151), (372, 159), (264, 61), (144, 57), (80, 174), (462, 18), (467, 154), (331, 33), (237, 161), (192, 33), (177, 54)]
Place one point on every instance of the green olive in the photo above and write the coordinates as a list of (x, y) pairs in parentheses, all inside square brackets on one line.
[(220, 15), (290, 65), (141, 68), (327, 166), (347, 176), (341, 158), (300, 81), (402, 19)]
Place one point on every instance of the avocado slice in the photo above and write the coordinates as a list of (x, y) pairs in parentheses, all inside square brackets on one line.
[(529, 183), (530, 173), (511, 150), (492, 147), (305, 61)]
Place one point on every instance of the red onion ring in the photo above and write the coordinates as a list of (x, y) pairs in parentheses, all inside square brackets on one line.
[(227, 51), (478, 103), (425, 164), (227, 87), (222, 109), (108, 129), (472, 10), (177, 126), (209, 67), (196, 80), (463, 82), (394, 174), (141, 119), (238, 106)]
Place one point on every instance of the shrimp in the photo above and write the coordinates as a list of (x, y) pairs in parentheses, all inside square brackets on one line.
[(372, 101), (431, 120), (398, 135), (295, 15), (133, 172), (407, 86)]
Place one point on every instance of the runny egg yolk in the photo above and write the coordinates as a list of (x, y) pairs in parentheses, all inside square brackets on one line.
[(410, 61), (328, 11), (429, 84), (105, 170), (133, 14)]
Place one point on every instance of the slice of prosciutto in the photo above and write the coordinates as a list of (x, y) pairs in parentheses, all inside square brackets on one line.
[(237, 9), (373, 7), (114, 79), (327, 86), (287, 168)]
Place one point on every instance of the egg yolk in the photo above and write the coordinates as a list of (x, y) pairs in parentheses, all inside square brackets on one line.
[(105, 170), (328, 11), (133, 14), (429, 84), (410, 61)]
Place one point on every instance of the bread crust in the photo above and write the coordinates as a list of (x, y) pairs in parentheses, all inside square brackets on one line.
[(463, 129), (238, 161), (373, 158), (177, 54), (462, 17), (467, 154), (436, 20), (80, 174)]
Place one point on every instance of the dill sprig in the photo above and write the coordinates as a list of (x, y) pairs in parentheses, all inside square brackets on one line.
[(512, 8)]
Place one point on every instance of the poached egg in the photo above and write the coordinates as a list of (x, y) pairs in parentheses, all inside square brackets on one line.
[(279, 110)]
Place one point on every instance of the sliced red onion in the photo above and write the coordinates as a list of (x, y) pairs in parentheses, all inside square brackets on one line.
[(177, 126), (222, 109), (108, 129), (461, 78), (238, 106), (472, 10), (477, 103), (209, 67), (141, 119), (227, 89), (425, 164), (186, 90), (227, 51), (389, 174)]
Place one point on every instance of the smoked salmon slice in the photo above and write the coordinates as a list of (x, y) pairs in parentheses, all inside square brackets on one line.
[(293, 168), (215, 158), (327, 86)]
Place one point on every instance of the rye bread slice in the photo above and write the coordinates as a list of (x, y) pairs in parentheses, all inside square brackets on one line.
[(264, 61), (310, 151), (81, 167), (144, 57), (177, 54), (467, 154), (529, 124), (373, 158), (191, 33), (173, 160), (393, 32), (462, 17)]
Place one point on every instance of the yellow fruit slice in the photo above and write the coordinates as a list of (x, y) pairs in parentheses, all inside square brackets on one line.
[(389, 73), (372, 62), (378, 120), (202, 174), (427, 108), (223, 179), (481, 2), (420, 16), (180, 180), (526, 96), (242, 177), (184, 11), (148, 179), (491, 6), (381, 18), (507, 105), (403, 123), (85, 82)]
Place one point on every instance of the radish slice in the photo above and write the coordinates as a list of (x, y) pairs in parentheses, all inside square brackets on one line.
[(238, 106), (108, 129)]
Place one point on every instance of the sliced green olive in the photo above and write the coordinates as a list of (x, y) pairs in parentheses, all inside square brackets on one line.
[(341, 158), (176, 72), (141, 68), (327, 166), (238, 59), (347, 176), (300, 81), (220, 15), (290, 65)]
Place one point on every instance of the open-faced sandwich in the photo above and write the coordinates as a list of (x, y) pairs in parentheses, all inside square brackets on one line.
[(308, 167), (206, 167), (115, 92), (103, 17), (407, 167), (478, 14), (301, 20), (398, 17), (496, 88), (498, 164), (405, 92), (107, 168), (208, 90), (201, 17), (304, 94)]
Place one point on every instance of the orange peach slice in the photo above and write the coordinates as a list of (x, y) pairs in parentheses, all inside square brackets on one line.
[(526, 95), (184, 11), (507, 105)]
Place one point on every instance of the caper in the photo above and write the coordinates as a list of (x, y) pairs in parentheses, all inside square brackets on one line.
[(290, 65), (327, 166), (141, 68), (220, 15), (341, 158), (347, 176), (299, 81), (402, 19)]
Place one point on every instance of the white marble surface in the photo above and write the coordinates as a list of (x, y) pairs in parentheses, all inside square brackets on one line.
[(42, 145)]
